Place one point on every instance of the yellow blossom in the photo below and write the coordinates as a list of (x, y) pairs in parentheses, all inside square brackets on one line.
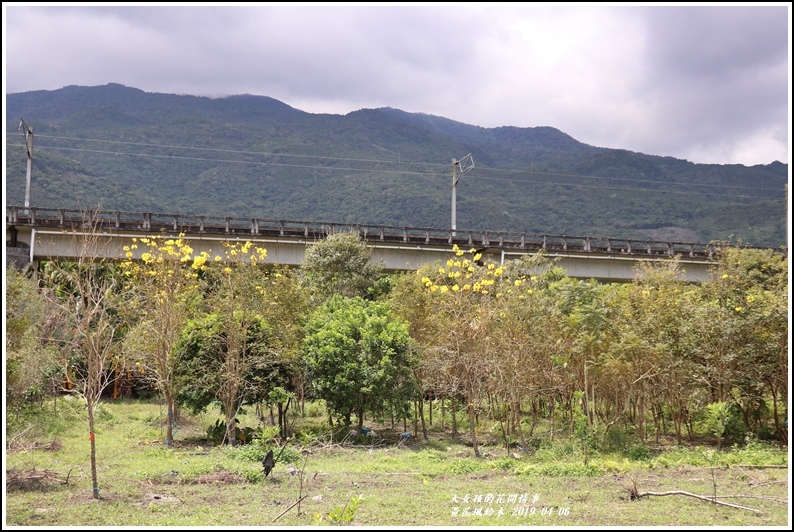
[(502, 314), (477, 257), (739, 309), (227, 270), (455, 288), (517, 282), (750, 299), (725, 276)]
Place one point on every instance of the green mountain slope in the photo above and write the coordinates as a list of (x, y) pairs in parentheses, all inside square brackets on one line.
[(255, 156)]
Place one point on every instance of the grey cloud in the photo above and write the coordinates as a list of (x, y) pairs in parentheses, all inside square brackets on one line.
[(654, 79), (717, 42)]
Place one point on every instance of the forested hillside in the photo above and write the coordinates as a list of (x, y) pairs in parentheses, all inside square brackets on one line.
[(247, 155)]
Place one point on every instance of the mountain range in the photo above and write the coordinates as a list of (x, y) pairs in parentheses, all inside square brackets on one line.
[(121, 148)]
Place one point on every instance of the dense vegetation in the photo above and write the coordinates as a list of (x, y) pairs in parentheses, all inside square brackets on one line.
[(532, 363), (513, 344), (254, 156)]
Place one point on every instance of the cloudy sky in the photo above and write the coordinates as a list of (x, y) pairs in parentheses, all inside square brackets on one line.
[(707, 84)]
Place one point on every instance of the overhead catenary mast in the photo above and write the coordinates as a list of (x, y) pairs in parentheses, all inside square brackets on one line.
[(465, 164), (27, 133)]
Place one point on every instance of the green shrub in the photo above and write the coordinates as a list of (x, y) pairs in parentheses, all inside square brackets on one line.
[(217, 433), (639, 452), (616, 439), (339, 515)]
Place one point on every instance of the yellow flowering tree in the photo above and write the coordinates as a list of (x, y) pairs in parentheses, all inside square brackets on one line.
[(525, 336), (463, 294), (235, 297), (166, 288)]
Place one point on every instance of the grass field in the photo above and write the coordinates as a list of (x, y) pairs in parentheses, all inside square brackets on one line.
[(435, 483)]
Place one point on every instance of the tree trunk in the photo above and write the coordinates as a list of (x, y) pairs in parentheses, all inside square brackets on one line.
[(169, 426), (517, 414), (430, 409), (454, 417), (360, 414), (472, 415), (422, 415), (231, 428), (282, 429), (782, 434), (91, 439)]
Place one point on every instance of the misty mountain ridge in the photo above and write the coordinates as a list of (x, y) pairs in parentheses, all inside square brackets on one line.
[(246, 155)]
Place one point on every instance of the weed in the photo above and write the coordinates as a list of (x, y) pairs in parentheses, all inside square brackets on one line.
[(340, 515), (560, 470)]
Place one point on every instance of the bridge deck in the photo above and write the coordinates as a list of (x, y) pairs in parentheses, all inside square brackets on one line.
[(157, 223)]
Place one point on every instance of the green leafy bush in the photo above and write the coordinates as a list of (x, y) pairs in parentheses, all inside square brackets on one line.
[(639, 452), (339, 515)]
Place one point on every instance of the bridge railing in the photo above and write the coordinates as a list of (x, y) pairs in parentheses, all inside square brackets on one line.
[(266, 227)]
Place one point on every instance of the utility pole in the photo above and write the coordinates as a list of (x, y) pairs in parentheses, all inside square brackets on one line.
[(465, 164), (27, 133)]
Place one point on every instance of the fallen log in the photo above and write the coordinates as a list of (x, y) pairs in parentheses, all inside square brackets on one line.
[(711, 499)]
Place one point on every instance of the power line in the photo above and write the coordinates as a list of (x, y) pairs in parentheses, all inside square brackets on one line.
[(399, 162), (260, 163), (242, 152), (404, 172)]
